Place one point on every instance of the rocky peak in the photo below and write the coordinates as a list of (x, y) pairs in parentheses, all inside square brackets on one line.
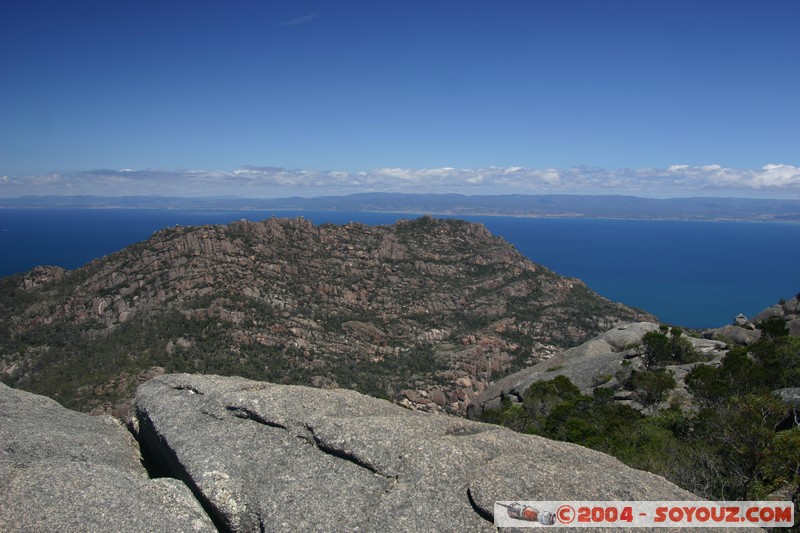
[(423, 305)]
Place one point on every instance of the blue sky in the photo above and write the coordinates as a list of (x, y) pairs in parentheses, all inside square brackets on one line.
[(274, 98)]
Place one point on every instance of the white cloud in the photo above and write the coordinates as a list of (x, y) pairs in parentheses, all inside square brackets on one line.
[(772, 180), (300, 20), (550, 176), (778, 176), (398, 173)]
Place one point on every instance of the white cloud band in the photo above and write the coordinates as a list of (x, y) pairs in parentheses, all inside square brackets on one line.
[(772, 180)]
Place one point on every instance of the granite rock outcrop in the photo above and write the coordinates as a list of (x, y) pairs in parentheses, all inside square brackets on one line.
[(420, 306), (597, 363), (233, 454), (279, 457), (61, 470), (746, 332)]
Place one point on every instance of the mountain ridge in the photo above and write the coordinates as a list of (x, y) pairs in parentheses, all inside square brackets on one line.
[(426, 312)]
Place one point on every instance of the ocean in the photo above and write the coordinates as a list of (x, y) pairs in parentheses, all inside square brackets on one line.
[(693, 274)]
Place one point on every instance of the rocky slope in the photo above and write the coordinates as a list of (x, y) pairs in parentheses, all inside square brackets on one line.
[(265, 457), (600, 361), (425, 312), (744, 331)]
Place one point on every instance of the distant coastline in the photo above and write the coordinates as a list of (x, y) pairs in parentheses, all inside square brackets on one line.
[(455, 205)]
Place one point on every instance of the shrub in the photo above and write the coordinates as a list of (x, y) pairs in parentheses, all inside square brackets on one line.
[(774, 327), (651, 386), (656, 349)]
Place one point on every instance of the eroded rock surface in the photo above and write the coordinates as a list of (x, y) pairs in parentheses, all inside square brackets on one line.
[(64, 471), (266, 457), (588, 365), (597, 363), (281, 457)]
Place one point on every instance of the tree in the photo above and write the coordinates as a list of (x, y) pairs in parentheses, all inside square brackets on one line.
[(739, 374), (780, 465), (681, 349), (651, 386), (779, 359), (774, 327), (750, 431), (706, 385), (657, 350), (542, 397)]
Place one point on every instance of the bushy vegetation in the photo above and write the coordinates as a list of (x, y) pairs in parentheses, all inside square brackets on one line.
[(660, 348), (83, 365), (738, 441)]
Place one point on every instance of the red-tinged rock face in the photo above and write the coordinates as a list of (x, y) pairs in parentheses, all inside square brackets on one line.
[(375, 308)]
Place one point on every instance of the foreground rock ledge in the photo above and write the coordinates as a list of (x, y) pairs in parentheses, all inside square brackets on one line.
[(65, 471), (286, 458)]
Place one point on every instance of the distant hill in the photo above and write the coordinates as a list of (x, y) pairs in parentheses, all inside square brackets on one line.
[(426, 311), (630, 207)]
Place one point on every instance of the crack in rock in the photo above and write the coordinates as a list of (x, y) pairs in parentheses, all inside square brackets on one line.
[(306, 432), (347, 455), (213, 415), (296, 430), (247, 414), (191, 389), (312, 438), (489, 517), (165, 459)]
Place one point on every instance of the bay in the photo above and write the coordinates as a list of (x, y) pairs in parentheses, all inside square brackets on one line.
[(695, 274)]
